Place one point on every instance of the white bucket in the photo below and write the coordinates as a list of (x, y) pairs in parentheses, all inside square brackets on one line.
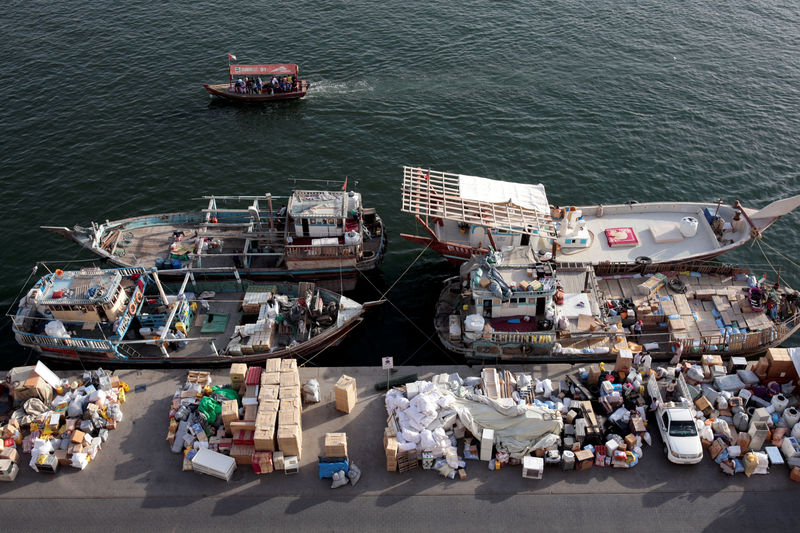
[(688, 226)]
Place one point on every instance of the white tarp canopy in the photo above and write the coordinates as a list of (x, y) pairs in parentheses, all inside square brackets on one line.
[(500, 192), (516, 427)]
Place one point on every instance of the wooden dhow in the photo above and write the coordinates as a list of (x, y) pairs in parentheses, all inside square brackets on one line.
[(128, 316), (518, 309), (464, 215), (323, 236)]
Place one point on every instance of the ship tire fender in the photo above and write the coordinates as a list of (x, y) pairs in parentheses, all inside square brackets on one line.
[(643, 260)]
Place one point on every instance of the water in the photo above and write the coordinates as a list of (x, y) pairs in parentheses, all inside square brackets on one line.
[(104, 116)]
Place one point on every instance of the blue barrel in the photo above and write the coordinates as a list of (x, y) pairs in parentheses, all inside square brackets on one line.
[(176, 264), (159, 263)]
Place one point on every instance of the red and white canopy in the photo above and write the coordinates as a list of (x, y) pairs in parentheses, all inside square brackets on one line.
[(263, 70)]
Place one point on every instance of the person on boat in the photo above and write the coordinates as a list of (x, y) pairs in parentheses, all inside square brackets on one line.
[(289, 83), (274, 84), (259, 85)]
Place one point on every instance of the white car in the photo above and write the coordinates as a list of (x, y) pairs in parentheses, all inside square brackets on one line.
[(681, 442)]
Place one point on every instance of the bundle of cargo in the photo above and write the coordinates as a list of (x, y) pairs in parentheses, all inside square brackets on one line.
[(205, 417), (256, 420), (504, 418), (66, 430), (746, 413)]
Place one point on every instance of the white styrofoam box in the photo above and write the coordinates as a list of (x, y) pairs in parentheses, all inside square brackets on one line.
[(532, 467), (487, 442), (774, 454), (214, 464)]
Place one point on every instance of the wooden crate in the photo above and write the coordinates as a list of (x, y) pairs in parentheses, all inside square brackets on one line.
[(273, 365), (407, 461), (345, 393)]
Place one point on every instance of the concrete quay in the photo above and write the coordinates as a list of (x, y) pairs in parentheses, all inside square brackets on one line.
[(137, 483)]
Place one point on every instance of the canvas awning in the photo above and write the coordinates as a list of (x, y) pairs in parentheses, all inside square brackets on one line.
[(263, 70)]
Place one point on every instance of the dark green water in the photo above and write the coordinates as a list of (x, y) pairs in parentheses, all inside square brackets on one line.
[(104, 116)]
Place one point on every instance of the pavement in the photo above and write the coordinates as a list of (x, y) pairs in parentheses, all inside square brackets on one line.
[(137, 483)]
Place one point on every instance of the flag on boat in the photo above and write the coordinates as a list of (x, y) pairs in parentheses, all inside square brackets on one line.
[(231, 56), (344, 187), (428, 176)]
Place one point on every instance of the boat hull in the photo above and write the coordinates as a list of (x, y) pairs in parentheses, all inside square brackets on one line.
[(221, 92), (520, 345)]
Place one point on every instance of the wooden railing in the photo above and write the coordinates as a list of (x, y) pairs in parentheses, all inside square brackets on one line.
[(307, 251), (73, 344)]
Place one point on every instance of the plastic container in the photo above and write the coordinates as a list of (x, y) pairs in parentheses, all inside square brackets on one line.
[(791, 416), (779, 402), (688, 226), (568, 460)]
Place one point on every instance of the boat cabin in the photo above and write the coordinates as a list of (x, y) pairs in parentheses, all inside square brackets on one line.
[(91, 296), (319, 214)]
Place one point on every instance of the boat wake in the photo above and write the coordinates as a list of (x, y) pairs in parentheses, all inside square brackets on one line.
[(323, 88)]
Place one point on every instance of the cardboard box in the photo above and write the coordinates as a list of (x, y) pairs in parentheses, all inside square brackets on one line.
[(10, 453), (288, 392), (264, 438), (34, 387), (242, 453), (336, 445), (630, 441), (273, 365), (230, 413), (716, 448), (290, 379), (290, 440), (61, 456), (237, 375), (77, 436), (270, 378), (345, 394), (704, 405), (584, 460), (262, 462), (288, 365), (289, 416), (594, 374), (780, 364)]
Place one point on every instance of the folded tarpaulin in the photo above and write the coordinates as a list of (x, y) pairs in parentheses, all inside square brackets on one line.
[(517, 428)]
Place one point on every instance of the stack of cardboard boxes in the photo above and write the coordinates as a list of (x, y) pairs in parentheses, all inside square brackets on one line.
[(345, 393), (290, 426)]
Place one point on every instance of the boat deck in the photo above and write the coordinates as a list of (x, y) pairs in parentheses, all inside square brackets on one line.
[(711, 302), (642, 223), (641, 218)]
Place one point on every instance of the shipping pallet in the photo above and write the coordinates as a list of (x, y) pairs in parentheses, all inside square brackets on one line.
[(198, 377), (407, 462)]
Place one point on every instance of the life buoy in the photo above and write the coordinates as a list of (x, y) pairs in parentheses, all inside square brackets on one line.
[(643, 260), (139, 297), (59, 272), (132, 308)]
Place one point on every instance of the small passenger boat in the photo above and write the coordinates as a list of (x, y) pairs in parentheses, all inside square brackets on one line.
[(324, 236), (130, 316), (260, 83), (518, 309), (465, 215)]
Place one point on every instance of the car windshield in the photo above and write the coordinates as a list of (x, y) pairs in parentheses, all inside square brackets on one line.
[(682, 428)]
